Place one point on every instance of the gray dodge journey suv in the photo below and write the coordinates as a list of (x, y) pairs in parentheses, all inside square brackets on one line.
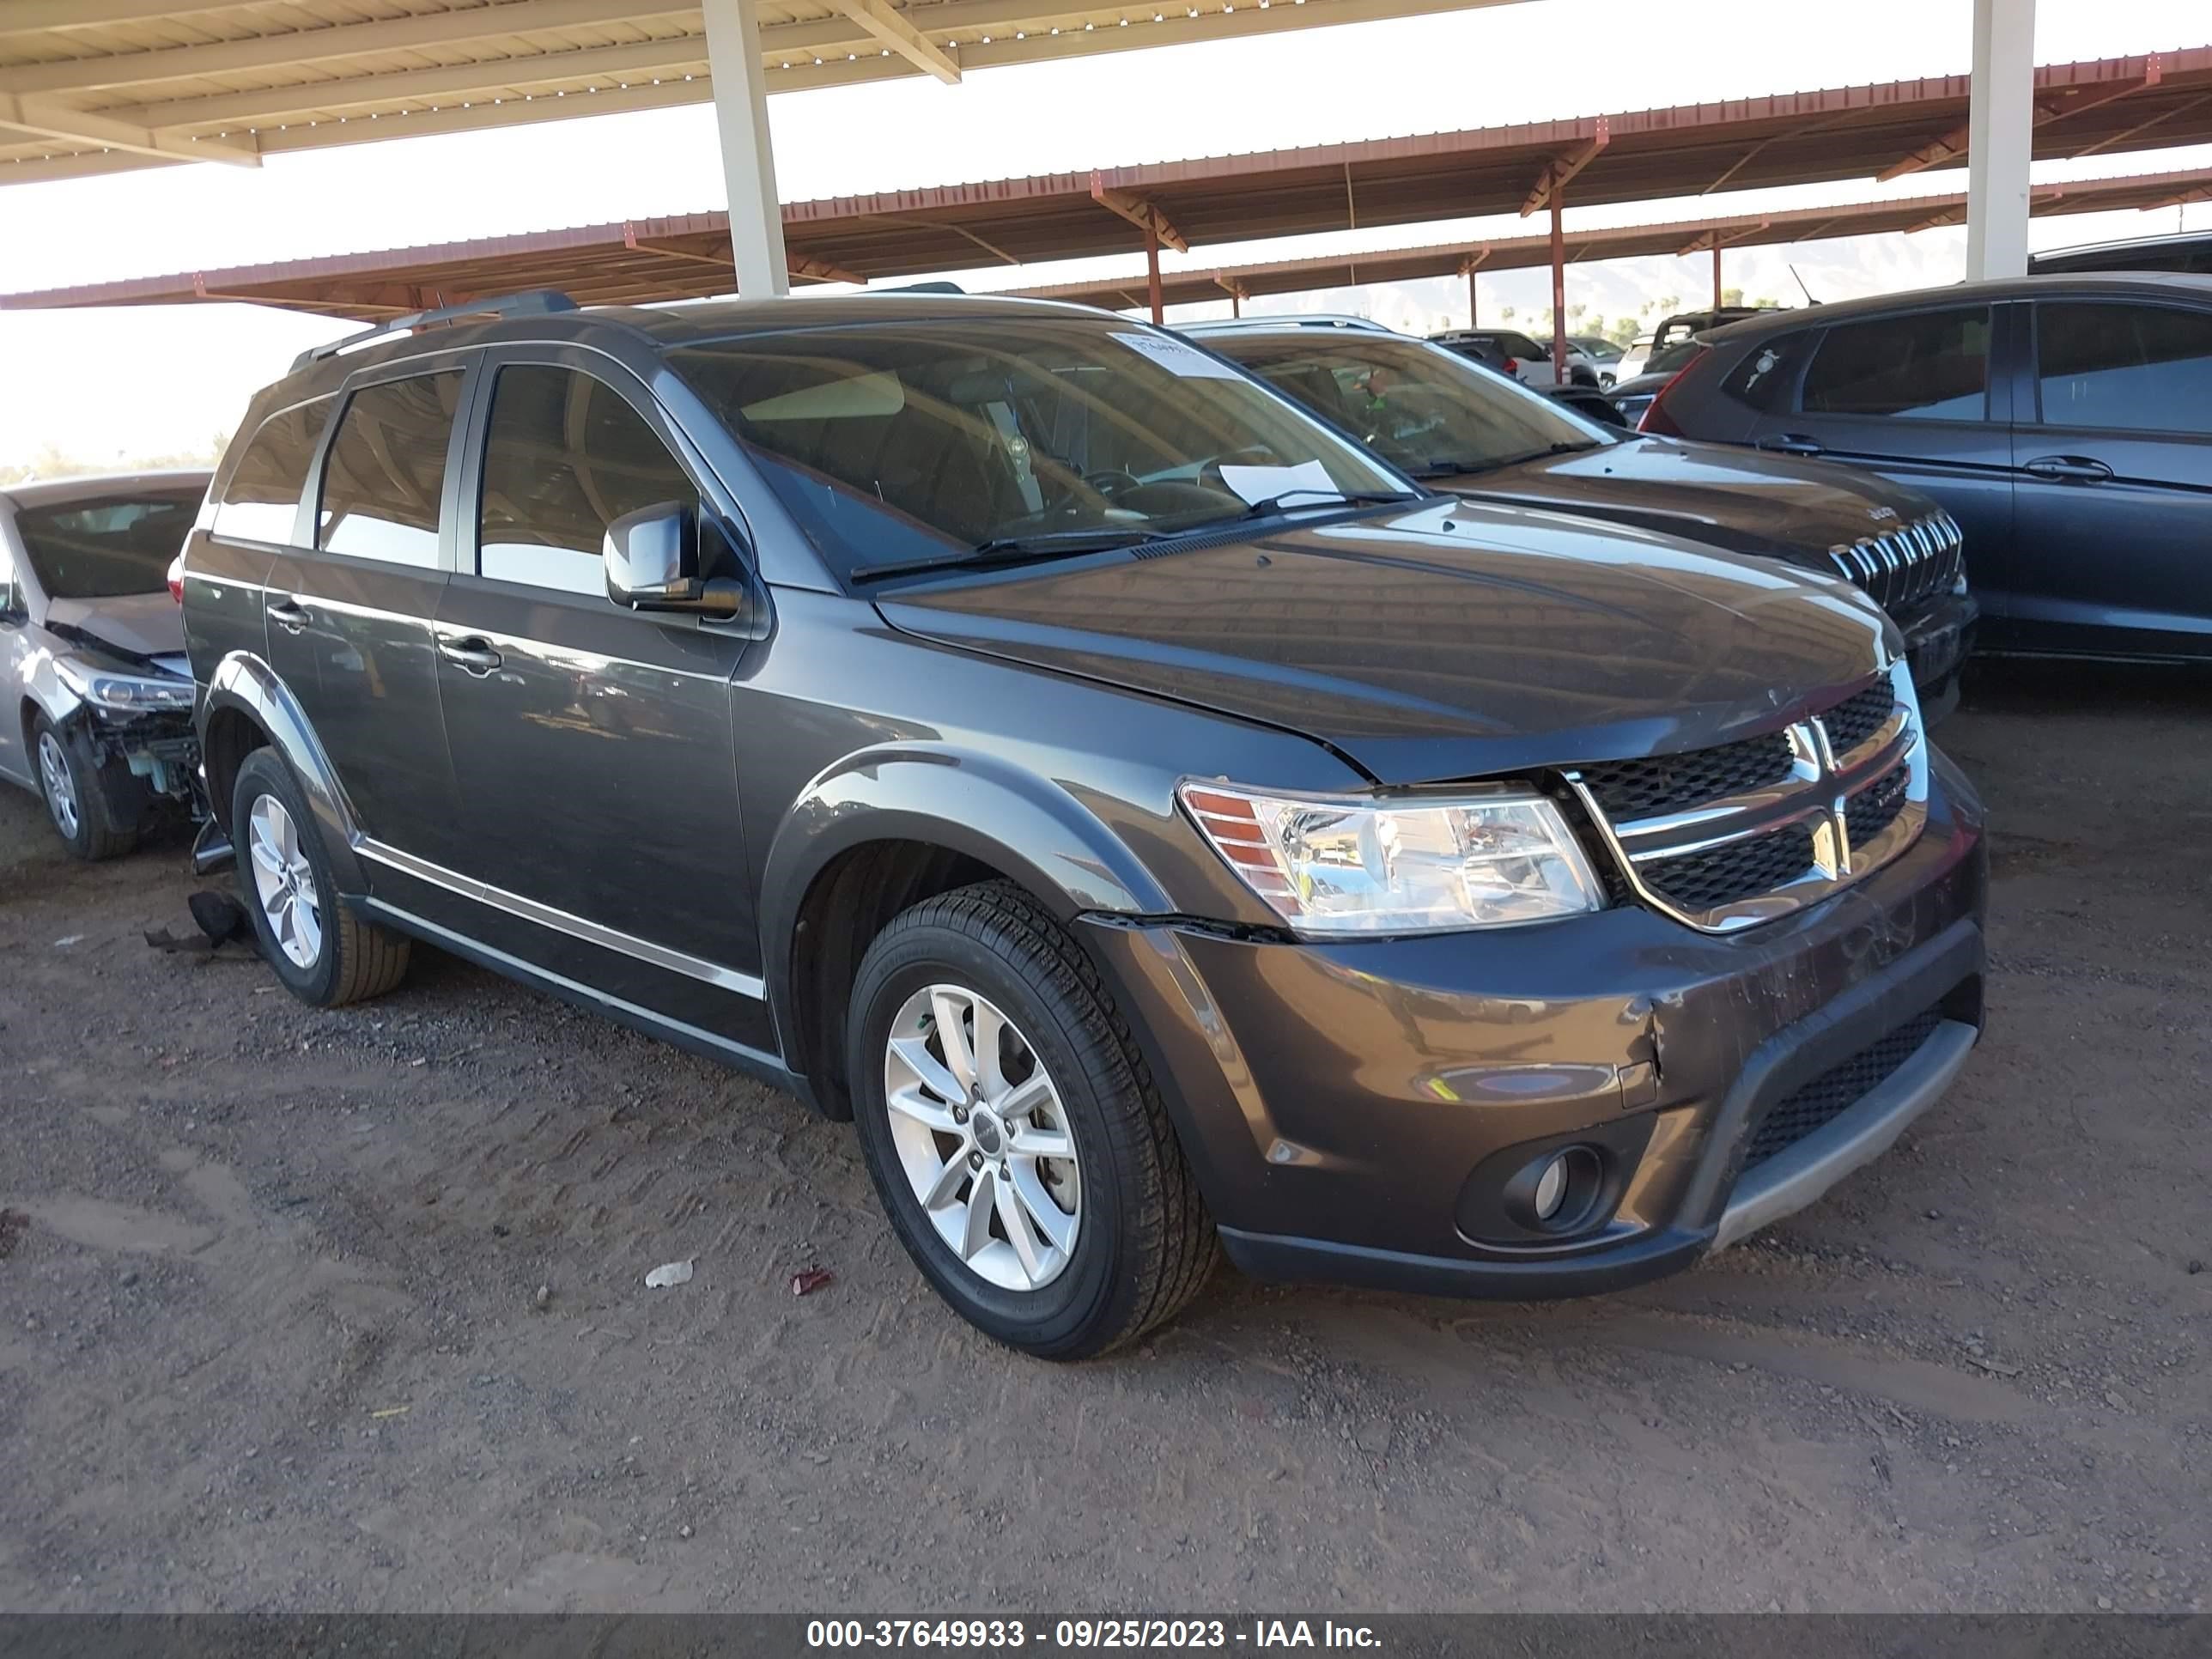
[(1153, 820)]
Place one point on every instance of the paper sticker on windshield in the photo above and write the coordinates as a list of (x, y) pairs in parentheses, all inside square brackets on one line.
[(1309, 480), (1179, 357)]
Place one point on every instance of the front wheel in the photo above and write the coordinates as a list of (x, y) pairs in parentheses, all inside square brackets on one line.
[(1014, 1133), (82, 796)]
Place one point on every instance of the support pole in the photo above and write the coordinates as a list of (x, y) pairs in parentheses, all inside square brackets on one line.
[(1473, 302), (2000, 137), (1559, 292), (733, 58), (1236, 303), (1717, 271), (1152, 275)]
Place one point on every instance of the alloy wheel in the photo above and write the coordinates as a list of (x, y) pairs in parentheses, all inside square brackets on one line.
[(61, 789), (284, 882), (983, 1138)]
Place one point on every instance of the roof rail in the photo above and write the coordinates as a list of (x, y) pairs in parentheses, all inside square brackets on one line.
[(922, 287), (533, 302)]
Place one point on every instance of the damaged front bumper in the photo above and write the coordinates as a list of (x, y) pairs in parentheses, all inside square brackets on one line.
[(1381, 1112)]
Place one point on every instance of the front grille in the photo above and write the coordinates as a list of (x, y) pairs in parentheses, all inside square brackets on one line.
[(1855, 719), (1832, 1093), (1732, 874), (1731, 836), (1906, 567), (1668, 783), (1871, 810)]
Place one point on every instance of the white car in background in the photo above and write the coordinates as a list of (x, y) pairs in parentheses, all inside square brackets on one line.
[(1632, 359), (1511, 352)]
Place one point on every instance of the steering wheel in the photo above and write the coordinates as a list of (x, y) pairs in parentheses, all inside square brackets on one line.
[(1111, 481)]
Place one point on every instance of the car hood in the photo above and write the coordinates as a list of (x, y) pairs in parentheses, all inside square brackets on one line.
[(1740, 499), (1454, 641), (150, 625)]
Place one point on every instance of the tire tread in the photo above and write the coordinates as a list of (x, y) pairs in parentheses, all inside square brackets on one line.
[(371, 960), (1171, 1240)]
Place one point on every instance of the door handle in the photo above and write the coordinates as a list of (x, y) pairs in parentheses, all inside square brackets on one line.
[(289, 615), (2080, 469), (1790, 443), (472, 654)]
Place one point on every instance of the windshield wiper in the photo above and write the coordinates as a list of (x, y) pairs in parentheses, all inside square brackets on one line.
[(1547, 451), (1286, 499), (1000, 551)]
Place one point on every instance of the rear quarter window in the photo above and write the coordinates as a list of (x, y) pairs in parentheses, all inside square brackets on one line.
[(261, 497), (1761, 381)]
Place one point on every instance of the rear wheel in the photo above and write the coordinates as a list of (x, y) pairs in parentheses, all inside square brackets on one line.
[(326, 953), (1013, 1131), (82, 794)]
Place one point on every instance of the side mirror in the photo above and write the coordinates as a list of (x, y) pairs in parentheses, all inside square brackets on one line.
[(653, 563)]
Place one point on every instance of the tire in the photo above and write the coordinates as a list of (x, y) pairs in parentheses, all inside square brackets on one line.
[(351, 958), (1142, 1243), (81, 795)]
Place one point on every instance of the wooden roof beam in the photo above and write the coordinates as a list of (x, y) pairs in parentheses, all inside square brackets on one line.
[(32, 16), (892, 28), (1706, 240), (1949, 215), (1953, 144), (1139, 212), (1563, 166), (50, 118), (642, 59), (292, 46), (810, 269)]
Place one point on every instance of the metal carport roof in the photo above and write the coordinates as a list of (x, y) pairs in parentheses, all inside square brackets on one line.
[(1678, 237), (687, 258), (102, 86), (2102, 107)]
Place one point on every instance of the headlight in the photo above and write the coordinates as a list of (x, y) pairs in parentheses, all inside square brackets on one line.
[(126, 694), (1356, 866)]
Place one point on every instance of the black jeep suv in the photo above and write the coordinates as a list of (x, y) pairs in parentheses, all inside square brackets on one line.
[(1154, 820)]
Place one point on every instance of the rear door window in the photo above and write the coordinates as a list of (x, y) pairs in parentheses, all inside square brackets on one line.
[(1932, 365), (386, 477), (261, 497), (2138, 369), (565, 455)]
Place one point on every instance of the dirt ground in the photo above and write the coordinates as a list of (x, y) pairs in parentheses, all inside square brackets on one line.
[(272, 1333)]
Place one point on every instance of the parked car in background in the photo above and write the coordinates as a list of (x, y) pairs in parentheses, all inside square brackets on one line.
[(1604, 354), (2189, 252), (1685, 325), (1429, 414), (1155, 819), (1518, 355), (1632, 396), (100, 693), (2065, 422), (1632, 359)]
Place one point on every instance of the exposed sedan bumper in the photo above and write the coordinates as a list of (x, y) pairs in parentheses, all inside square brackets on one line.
[(1375, 1113)]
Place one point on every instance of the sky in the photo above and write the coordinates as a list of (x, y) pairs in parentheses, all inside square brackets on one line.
[(129, 383)]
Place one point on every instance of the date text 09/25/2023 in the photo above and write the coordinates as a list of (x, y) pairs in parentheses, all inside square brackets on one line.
[(987, 1635)]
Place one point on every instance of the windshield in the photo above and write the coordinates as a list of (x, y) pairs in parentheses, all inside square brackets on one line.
[(106, 549), (903, 443), (1423, 409)]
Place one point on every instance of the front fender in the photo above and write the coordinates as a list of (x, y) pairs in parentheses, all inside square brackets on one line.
[(1031, 830), (245, 685)]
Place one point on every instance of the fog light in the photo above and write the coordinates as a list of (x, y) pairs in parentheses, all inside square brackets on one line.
[(1551, 1189)]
